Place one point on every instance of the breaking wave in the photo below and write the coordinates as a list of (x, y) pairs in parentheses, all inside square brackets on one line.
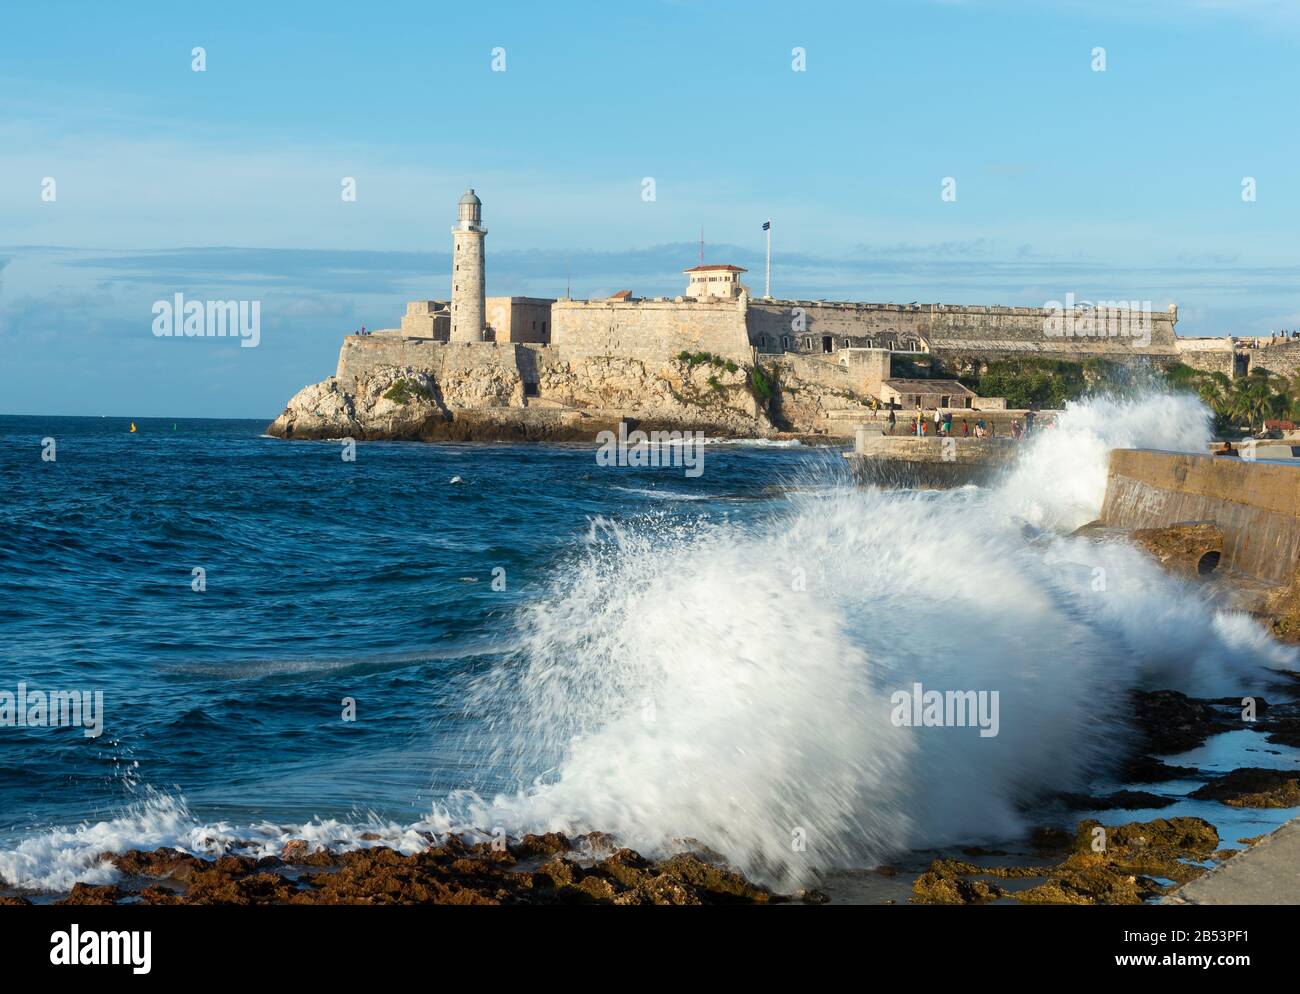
[(729, 681), (733, 685)]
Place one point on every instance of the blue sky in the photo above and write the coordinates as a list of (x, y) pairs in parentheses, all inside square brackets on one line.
[(226, 183)]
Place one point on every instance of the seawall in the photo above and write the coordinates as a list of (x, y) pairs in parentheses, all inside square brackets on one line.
[(1266, 873), (895, 461), (1256, 505)]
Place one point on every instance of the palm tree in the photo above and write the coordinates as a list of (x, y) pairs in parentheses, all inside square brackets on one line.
[(1253, 400)]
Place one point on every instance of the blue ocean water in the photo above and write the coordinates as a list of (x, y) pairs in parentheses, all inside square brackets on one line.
[(669, 656), (325, 580)]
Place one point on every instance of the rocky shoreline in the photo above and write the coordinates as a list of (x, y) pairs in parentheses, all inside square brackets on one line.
[(582, 398), (1083, 862)]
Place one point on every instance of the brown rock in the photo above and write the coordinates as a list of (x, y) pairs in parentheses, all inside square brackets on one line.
[(1190, 550), (163, 863), (94, 894), (719, 884), (542, 845), (938, 888), (1251, 787)]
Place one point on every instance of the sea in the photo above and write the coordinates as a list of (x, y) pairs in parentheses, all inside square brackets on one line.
[(380, 643)]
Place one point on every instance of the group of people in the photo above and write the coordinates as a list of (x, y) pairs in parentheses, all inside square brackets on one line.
[(943, 426)]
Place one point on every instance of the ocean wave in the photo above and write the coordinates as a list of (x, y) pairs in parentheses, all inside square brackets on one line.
[(734, 683)]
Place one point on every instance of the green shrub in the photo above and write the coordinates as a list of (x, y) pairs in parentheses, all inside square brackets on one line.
[(403, 391)]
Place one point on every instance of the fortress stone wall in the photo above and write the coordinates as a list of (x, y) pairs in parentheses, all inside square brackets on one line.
[(1282, 359), (1210, 355), (958, 332), (364, 354), (651, 328)]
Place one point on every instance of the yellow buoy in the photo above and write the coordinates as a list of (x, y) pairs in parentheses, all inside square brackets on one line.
[(133, 426)]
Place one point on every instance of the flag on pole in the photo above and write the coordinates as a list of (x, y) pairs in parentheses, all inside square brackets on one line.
[(767, 225)]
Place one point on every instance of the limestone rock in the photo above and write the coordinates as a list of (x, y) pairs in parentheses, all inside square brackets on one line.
[(1191, 549)]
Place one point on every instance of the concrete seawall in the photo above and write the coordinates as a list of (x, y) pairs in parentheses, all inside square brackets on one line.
[(1266, 873), (1256, 505), (909, 461)]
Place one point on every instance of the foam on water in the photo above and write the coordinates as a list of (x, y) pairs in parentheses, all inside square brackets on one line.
[(56, 860), (731, 683)]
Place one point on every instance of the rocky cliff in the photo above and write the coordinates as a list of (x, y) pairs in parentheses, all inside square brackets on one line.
[(481, 395)]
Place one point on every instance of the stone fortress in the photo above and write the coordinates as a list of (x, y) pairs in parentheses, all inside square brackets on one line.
[(621, 356)]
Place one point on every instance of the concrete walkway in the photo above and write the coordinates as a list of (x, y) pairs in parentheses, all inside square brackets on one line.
[(1266, 873)]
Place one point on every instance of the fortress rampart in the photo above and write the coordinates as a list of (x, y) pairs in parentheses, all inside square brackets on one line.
[(962, 331), (1282, 359), (651, 328)]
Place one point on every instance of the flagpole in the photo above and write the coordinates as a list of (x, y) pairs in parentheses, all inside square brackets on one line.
[(767, 280)]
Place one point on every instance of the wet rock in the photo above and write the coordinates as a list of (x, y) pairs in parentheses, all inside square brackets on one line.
[(719, 884), (812, 896), (625, 866), (938, 887), (160, 896), (162, 863), (557, 873), (662, 889), (542, 845), (449, 873), (1148, 769), (223, 886), (1186, 836), (1191, 550), (1089, 880), (294, 850), (596, 843), (1051, 839), (1119, 800), (299, 852), (1251, 787), (93, 894), (13, 900), (1159, 848), (1115, 865), (1171, 722)]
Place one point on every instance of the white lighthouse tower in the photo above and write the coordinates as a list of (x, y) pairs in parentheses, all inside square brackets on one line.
[(467, 279)]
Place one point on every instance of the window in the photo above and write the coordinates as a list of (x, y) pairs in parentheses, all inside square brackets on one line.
[(846, 343), (785, 341)]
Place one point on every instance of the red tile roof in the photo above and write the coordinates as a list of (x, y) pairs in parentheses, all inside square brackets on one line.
[(701, 269), (621, 295)]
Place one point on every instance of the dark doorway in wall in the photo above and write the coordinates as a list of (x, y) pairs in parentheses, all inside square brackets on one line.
[(530, 389), (828, 345)]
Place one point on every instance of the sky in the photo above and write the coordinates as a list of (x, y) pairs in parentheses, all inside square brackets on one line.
[(227, 183)]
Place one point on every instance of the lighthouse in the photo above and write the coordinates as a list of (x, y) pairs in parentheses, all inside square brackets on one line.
[(467, 286)]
